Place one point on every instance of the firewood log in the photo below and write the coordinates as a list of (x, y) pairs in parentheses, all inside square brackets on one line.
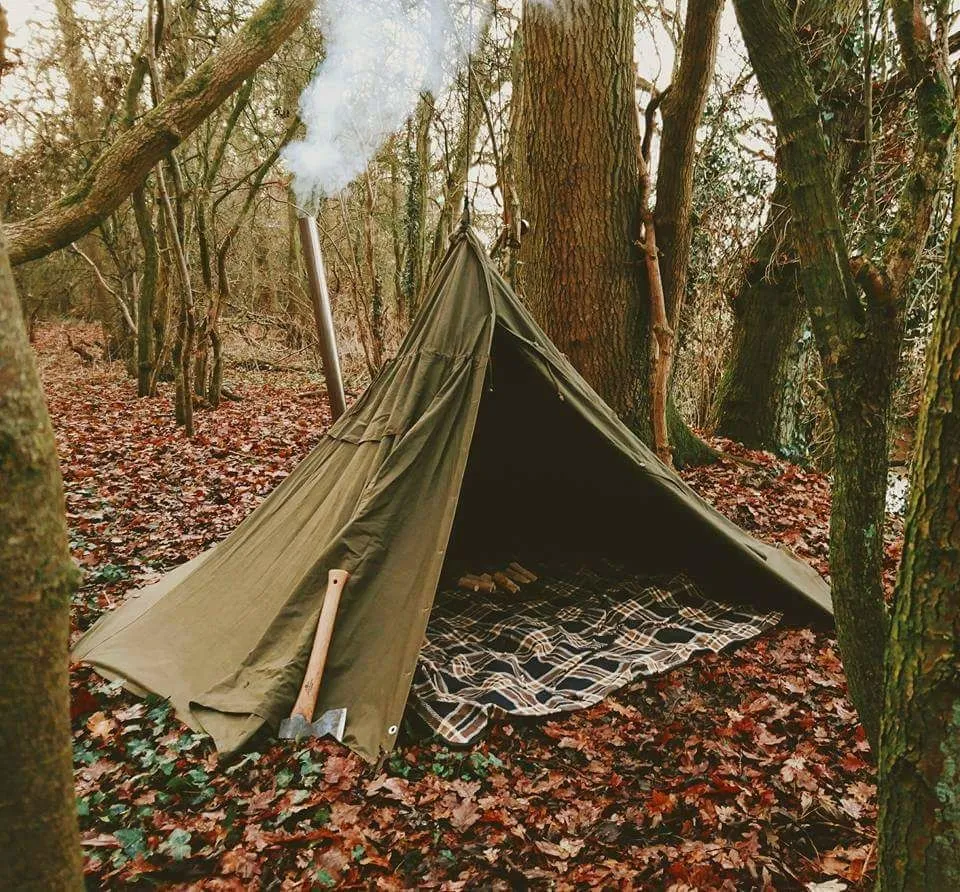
[(518, 568), (505, 582), (518, 578), (473, 583)]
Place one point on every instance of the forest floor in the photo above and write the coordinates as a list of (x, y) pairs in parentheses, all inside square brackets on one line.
[(745, 770)]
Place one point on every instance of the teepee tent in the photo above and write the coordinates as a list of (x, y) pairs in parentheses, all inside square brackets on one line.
[(478, 435)]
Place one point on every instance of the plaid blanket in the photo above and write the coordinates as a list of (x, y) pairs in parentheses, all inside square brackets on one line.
[(568, 644)]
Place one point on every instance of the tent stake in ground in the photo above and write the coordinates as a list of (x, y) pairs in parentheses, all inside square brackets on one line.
[(320, 298), (333, 721)]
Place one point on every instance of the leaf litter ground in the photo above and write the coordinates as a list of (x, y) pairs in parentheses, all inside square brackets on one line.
[(745, 770)]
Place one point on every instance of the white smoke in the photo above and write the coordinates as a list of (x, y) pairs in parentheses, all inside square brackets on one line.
[(380, 56)]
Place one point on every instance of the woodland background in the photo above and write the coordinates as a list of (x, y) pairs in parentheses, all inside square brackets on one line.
[(738, 225), (68, 95)]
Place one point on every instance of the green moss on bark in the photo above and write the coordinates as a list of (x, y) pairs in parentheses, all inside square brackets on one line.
[(919, 824), (38, 826)]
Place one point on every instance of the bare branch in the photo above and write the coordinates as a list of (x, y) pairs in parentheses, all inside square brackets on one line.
[(126, 163), (124, 309)]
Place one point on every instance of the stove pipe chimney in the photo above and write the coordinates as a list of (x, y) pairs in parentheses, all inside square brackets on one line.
[(320, 297)]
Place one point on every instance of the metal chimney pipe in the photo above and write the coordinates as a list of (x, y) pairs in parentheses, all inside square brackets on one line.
[(320, 297)]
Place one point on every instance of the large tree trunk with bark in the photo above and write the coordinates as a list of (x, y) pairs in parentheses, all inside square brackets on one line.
[(856, 306), (919, 832), (579, 267), (38, 823), (576, 149)]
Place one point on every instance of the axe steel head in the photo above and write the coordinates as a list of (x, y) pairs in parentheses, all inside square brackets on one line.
[(332, 722)]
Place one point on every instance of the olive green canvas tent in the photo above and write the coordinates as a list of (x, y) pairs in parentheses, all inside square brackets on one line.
[(478, 435)]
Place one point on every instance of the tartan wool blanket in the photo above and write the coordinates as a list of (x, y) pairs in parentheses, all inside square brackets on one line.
[(574, 640)]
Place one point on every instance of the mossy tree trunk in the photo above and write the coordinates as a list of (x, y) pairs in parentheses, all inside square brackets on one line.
[(38, 824), (768, 315), (919, 826), (856, 306), (756, 402)]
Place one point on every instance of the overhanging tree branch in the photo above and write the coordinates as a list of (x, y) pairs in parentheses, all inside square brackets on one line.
[(128, 161)]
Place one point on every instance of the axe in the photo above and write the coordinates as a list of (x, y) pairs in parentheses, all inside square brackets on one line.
[(333, 721)]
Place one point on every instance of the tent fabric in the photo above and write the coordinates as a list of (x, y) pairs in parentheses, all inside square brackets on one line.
[(589, 630), (477, 407)]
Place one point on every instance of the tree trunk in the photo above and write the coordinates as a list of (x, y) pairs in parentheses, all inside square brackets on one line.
[(148, 293), (512, 219), (201, 357), (87, 133), (856, 307), (579, 267), (861, 446), (661, 343), (215, 388), (186, 332), (82, 93), (458, 162), (682, 110), (754, 401), (660, 369), (206, 314), (919, 824), (417, 164), (376, 283), (768, 315), (38, 823)]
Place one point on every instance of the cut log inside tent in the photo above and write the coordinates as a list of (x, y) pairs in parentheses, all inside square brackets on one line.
[(509, 578)]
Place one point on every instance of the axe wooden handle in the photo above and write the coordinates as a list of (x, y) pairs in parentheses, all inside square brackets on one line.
[(310, 689)]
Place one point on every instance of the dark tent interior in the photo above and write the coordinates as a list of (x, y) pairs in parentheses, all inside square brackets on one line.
[(541, 481)]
